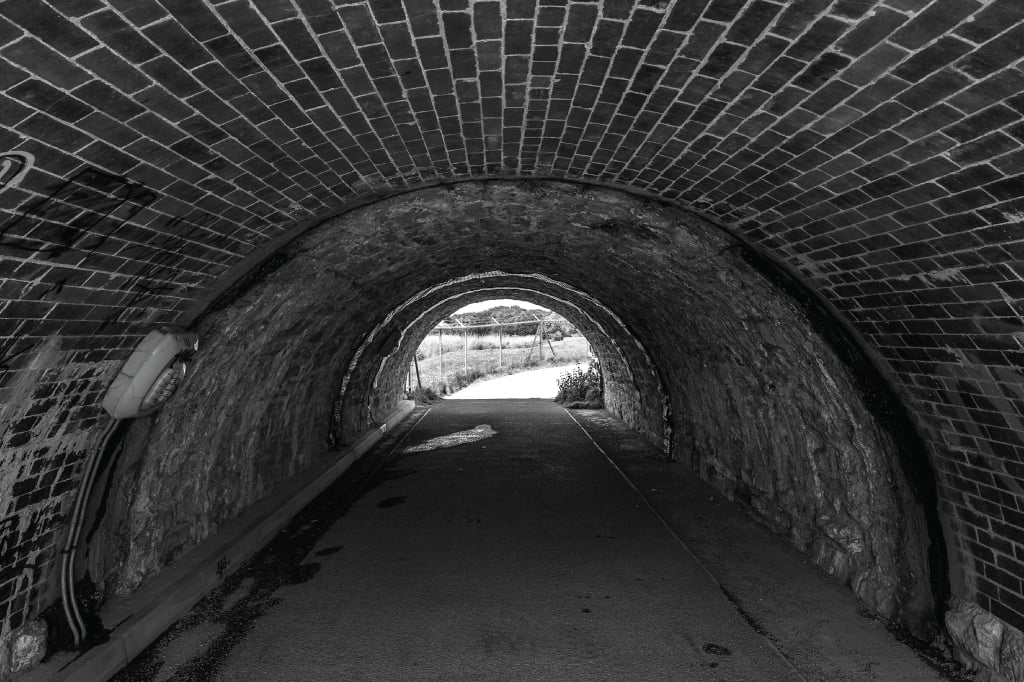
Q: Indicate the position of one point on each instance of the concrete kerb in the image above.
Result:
(140, 618)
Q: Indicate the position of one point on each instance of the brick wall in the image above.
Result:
(874, 146)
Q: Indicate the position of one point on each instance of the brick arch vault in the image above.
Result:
(172, 162)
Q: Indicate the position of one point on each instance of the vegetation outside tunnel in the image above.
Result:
(500, 340)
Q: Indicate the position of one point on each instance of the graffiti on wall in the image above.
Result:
(82, 213)
(962, 383)
(87, 219)
(26, 554)
(14, 559)
(88, 222)
(13, 167)
(9, 536)
(180, 236)
(10, 351)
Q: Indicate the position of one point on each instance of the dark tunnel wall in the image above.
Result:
(759, 403)
(148, 148)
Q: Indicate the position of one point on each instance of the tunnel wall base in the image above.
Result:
(154, 607)
(812, 464)
(981, 641)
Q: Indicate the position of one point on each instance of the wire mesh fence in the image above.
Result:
(451, 357)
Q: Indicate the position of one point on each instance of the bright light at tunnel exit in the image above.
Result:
(486, 305)
(499, 349)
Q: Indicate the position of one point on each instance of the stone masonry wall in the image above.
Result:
(815, 464)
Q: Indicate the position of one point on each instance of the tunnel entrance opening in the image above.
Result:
(494, 349)
(632, 388)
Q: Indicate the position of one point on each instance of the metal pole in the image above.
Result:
(440, 352)
(540, 343)
(530, 353)
(500, 342)
(416, 364)
(465, 353)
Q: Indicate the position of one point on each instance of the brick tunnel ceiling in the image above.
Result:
(152, 152)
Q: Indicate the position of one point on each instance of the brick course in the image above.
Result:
(874, 147)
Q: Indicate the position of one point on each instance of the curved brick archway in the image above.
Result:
(757, 401)
(154, 152)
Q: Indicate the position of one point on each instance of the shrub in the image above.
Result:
(423, 396)
(463, 379)
(581, 388)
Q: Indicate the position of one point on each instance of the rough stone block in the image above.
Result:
(981, 639)
(28, 645)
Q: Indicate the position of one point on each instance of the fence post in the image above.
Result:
(529, 355)
(500, 342)
(540, 342)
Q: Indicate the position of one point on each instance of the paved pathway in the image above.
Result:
(497, 543)
(537, 383)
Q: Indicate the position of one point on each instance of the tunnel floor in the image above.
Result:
(496, 540)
